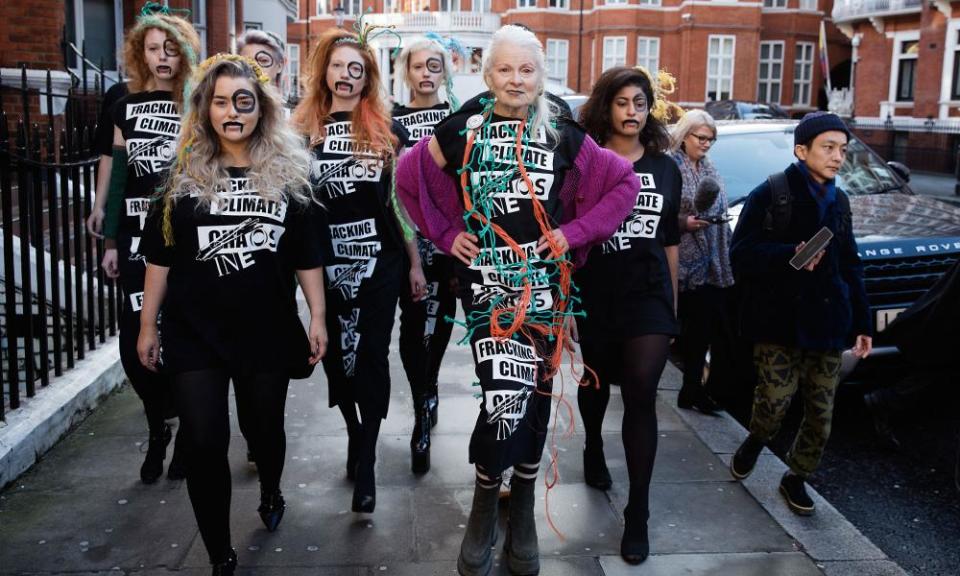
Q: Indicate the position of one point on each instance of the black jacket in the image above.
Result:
(821, 310)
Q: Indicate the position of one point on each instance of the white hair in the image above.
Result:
(402, 65)
(264, 38)
(512, 38)
(689, 122)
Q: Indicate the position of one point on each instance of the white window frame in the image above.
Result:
(610, 59)
(481, 6)
(809, 5)
(770, 80)
(805, 67)
(650, 2)
(451, 5)
(720, 58)
(775, 4)
(647, 58)
(292, 73)
(558, 59)
(615, 2)
(558, 4)
(321, 7)
(898, 39)
(946, 81)
(526, 3)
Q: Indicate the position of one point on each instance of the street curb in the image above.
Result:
(832, 541)
(41, 421)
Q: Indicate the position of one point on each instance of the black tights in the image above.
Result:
(638, 369)
(203, 406)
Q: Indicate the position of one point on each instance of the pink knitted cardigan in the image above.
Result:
(597, 194)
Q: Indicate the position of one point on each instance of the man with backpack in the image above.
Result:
(800, 320)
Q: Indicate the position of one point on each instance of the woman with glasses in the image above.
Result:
(705, 270)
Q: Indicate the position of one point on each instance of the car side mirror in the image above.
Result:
(901, 169)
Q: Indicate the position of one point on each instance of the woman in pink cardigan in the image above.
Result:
(517, 196)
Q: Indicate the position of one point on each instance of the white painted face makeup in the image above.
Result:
(234, 109)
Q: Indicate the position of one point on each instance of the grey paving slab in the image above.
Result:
(94, 528)
(721, 433)
(548, 567)
(861, 567)
(319, 529)
(748, 564)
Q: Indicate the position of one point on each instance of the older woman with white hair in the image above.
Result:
(510, 190)
(705, 271)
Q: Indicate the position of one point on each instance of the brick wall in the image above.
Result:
(30, 33)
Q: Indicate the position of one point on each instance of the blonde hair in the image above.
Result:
(402, 63)
(512, 38)
(268, 39)
(176, 29)
(279, 162)
(689, 122)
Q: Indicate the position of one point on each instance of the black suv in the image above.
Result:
(906, 241)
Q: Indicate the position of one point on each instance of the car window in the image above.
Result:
(744, 160)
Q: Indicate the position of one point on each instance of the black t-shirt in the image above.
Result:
(626, 282)
(419, 122)
(510, 207)
(103, 137)
(231, 285)
(361, 226)
(150, 123)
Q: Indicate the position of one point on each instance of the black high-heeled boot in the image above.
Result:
(433, 401)
(271, 509)
(177, 470)
(227, 567)
(365, 489)
(635, 544)
(152, 467)
(354, 440)
(420, 441)
(595, 471)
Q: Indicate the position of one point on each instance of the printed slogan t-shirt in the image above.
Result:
(419, 122)
(626, 283)
(231, 286)
(510, 207)
(150, 123)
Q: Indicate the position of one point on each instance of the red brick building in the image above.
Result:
(747, 50)
(906, 86)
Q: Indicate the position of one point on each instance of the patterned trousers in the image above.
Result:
(780, 371)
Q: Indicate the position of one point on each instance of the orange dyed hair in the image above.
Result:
(371, 120)
(136, 63)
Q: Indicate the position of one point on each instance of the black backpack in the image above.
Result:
(777, 219)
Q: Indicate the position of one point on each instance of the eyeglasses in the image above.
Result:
(704, 139)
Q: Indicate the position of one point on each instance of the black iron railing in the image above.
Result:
(57, 304)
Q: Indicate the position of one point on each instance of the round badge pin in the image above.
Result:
(475, 121)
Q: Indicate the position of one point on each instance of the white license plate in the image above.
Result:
(885, 317)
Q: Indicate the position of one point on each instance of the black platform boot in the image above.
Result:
(433, 401)
(420, 441)
(365, 489)
(271, 509)
(476, 554)
(521, 544)
(152, 467)
(354, 440)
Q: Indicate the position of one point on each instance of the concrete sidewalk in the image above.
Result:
(83, 510)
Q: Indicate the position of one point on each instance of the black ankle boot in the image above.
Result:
(354, 439)
(420, 441)
(794, 491)
(635, 544)
(271, 509)
(226, 567)
(365, 489)
(595, 472)
(476, 556)
(433, 401)
(694, 397)
(521, 544)
(743, 461)
(152, 467)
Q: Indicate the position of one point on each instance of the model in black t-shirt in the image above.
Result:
(629, 288)
(354, 144)
(143, 125)
(424, 332)
(226, 245)
(103, 144)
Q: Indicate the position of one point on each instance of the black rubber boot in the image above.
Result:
(152, 467)
(420, 441)
(271, 509)
(476, 550)
(521, 545)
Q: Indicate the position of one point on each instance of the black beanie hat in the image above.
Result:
(816, 123)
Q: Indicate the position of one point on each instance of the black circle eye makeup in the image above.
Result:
(244, 101)
(171, 48)
(264, 59)
(640, 103)
(435, 65)
(355, 70)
